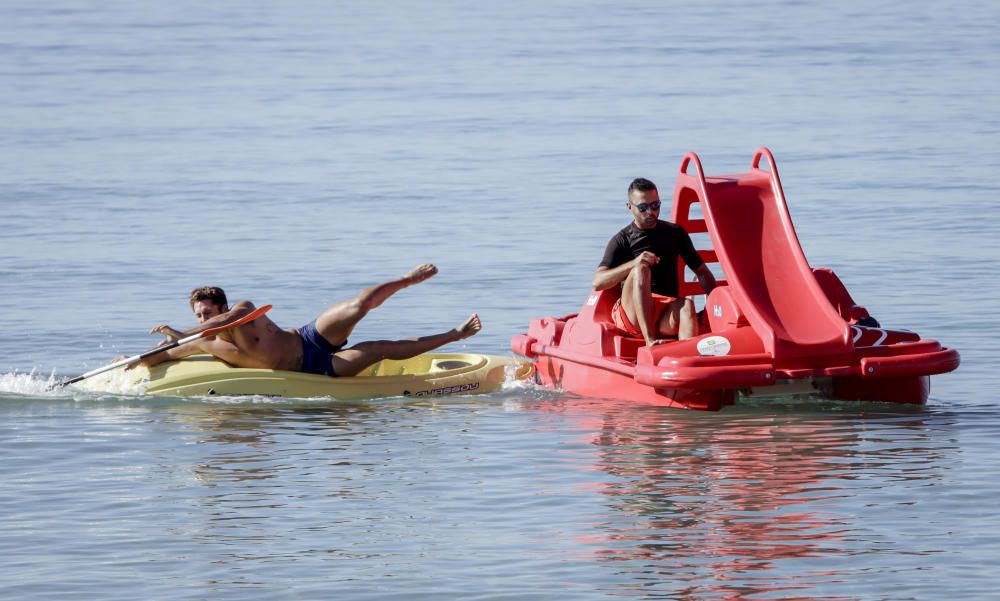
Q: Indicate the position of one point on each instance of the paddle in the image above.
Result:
(166, 347)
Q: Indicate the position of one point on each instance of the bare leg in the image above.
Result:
(637, 301)
(351, 361)
(688, 327)
(337, 322)
(679, 319)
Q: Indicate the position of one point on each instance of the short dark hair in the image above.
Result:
(211, 294)
(642, 185)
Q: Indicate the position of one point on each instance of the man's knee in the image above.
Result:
(679, 312)
(641, 271)
(638, 276)
(359, 305)
(687, 309)
(370, 347)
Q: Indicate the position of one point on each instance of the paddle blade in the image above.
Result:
(239, 322)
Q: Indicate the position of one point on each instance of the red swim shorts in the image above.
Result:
(622, 322)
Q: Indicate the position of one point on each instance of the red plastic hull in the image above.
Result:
(591, 381)
(712, 387)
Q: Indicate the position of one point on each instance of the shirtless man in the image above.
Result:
(317, 347)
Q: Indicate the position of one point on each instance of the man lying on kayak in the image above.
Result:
(317, 347)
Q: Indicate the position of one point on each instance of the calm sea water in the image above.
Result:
(296, 153)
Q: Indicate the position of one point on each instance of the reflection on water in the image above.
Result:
(532, 490)
(721, 506)
(258, 462)
(699, 505)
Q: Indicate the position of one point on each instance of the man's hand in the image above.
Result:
(646, 258)
(171, 334)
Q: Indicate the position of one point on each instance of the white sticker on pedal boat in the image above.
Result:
(592, 300)
(858, 333)
(714, 345)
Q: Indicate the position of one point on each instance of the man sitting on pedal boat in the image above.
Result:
(642, 258)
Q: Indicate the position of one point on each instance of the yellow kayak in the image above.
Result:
(428, 375)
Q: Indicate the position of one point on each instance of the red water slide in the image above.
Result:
(767, 273)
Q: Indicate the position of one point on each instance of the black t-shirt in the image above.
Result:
(666, 240)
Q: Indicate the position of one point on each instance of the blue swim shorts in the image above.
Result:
(317, 352)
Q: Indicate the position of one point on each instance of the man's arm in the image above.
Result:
(606, 277)
(178, 352)
(691, 257)
(240, 309)
(705, 278)
(192, 348)
(170, 334)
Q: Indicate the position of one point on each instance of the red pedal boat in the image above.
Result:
(777, 326)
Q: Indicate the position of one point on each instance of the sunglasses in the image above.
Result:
(645, 206)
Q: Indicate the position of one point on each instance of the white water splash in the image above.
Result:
(29, 384)
(512, 382)
(117, 381)
(33, 384)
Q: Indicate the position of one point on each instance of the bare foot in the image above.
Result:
(420, 273)
(471, 327)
